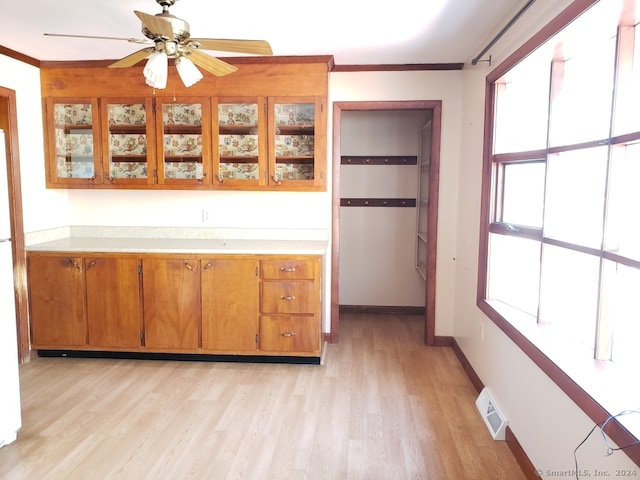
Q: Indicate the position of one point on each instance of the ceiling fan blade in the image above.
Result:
(135, 57)
(258, 47)
(160, 26)
(211, 64)
(130, 40)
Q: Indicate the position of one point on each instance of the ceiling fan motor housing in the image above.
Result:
(166, 3)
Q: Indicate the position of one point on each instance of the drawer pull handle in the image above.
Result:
(287, 297)
(288, 269)
(289, 334)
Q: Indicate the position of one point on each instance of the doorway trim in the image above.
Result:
(432, 207)
(9, 123)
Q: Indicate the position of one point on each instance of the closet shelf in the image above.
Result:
(379, 160)
(377, 202)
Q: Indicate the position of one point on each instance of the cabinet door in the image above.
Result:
(56, 301)
(128, 141)
(297, 150)
(171, 299)
(73, 142)
(230, 304)
(114, 309)
(184, 141)
(240, 142)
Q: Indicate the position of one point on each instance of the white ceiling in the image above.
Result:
(355, 32)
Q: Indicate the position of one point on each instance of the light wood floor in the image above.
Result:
(382, 406)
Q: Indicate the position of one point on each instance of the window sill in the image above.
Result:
(599, 388)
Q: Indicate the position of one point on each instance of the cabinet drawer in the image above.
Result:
(287, 269)
(289, 334)
(289, 297)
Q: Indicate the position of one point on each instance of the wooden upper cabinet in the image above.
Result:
(56, 301)
(240, 142)
(73, 142)
(114, 302)
(261, 128)
(128, 141)
(171, 296)
(297, 143)
(184, 140)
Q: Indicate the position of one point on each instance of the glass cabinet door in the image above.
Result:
(73, 142)
(184, 140)
(296, 151)
(128, 140)
(241, 142)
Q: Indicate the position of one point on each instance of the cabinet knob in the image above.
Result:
(289, 334)
(287, 297)
(288, 269)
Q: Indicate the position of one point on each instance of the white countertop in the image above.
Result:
(180, 245)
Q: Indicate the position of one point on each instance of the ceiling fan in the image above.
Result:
(170, 37)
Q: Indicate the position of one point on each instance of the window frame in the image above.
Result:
(531, 339)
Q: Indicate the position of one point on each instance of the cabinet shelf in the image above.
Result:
(308, 159)
(295, 129)
(129, 158)
(75, 158)
(183, 158)
(238, 129)
(178, 129)
(71, 128)
(232, 159)
(127, 129)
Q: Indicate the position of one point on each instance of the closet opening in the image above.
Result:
(386, 158)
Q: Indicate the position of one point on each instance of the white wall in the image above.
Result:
(378, 244)
(42, 208)
(183, 208)
(422, 85)
(546, 422)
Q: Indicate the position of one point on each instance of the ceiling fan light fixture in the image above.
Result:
(156, 70)
(189, 73)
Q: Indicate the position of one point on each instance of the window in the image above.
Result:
(561, 228)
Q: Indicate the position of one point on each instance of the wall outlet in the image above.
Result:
(206, 215)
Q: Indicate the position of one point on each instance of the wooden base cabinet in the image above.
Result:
(193, 304)
(230, 304)
(290, 306)
(171, 299)
(56, 297)
(77, 301)
(114, 306)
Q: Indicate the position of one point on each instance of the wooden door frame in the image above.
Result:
(432, 208)
(9, 123)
